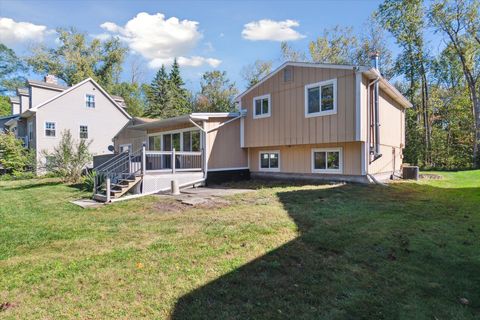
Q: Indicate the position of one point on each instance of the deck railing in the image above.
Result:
(172, 161)
(127, 164)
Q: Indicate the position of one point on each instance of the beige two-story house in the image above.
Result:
(323, 121)
(44, 110)
(302, 121)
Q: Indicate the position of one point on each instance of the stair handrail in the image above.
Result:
(109, 161)
(116, 169)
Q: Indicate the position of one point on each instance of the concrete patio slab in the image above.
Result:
(87, 203)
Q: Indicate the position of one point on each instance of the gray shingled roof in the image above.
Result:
(45, 84)
(23, 91)
(15, 99)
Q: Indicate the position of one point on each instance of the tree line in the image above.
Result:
(442, 128)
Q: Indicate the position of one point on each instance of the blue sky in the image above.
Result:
(207, 34)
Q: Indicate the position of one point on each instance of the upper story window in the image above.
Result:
(327, 160)
(261, 106)
(321, 98)
(83, 132)
(50, 130)
(90, 101)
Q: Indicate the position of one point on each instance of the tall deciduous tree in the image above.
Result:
(373, 39)
(457, 20)
(217, 93)
(405, 20)
(11, 69)
(76, 58)
(338, 45)
(290, 54)
(253, 73)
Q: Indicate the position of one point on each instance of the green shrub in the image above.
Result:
(69, 158)
(88, 181)
(14, 157)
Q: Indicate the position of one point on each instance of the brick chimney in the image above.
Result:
(50, 78)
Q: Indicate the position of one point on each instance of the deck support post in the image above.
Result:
(108, 188)
(173, 160)
(144, 160)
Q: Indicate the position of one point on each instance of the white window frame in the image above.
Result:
(320, 85)
(263, 115)
(180, 131)
(45, 129)
(340, 160)
(260, 160)
(80, 131)
(86, 101)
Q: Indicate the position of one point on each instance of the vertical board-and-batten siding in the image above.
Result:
(392, 134)
(223, 145)
(298, 158)
(287, 124)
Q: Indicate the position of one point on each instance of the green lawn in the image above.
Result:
(407, 251)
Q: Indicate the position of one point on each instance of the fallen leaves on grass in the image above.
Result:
(6, 305)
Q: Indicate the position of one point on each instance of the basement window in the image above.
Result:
(269, 161)
(327, 160)
(320, 98)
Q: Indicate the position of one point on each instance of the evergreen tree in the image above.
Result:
(179, 97)
(158, 94)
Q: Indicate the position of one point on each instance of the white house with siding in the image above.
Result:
(45, 109)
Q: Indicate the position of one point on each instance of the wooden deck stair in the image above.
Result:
(118, 189)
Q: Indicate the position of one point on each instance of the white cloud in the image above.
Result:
(160, 40)
(12, 32)
(266, 29)
(194, 61)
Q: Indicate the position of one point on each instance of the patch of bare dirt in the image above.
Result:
(430, 176)
(171, 206)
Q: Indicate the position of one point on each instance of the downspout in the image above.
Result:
(376, 150)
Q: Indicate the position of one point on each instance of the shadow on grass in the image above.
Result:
(364, 252)
(35, 185)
